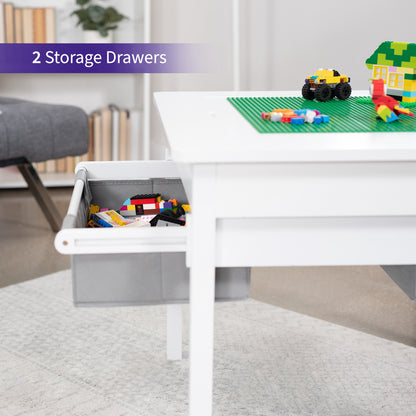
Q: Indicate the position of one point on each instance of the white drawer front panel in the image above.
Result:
(316, 189)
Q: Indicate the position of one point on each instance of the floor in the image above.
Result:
(363, 298)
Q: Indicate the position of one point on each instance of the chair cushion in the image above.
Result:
(40, 132)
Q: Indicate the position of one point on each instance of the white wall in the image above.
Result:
(299, 37)
(281, 41)
(193, 21)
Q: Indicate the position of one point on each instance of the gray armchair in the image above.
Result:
(36, 132)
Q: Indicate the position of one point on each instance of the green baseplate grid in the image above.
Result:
(347, 116)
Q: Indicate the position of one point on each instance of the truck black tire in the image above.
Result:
(307, 93)
(343, 90)
(323, 92)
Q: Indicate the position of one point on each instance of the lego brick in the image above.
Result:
(297, 120)
(310, 116)
(275, 117)
(128, 208)
(301, 112)
(141, 201)
(408, 71)
(131, 210)
(409, 94)
(164, 205)
(395, 92)
(287, 119)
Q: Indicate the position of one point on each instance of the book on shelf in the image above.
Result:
(111, 133)
(9, 22)
(106, 133)
(96, 120)
(39, 29)
(18, 26)
(41, 167)
(124, 135)
(115, 126)
(134, 128)
(61, 165)
(27, 24)
(50, 166)
(90, 154)
(2, 26)
(50, 26)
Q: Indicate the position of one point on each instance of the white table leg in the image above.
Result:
(202, 291)
(174, 332)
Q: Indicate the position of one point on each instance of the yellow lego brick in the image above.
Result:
(399, 47)
(186, 208)
(382, 60)
(93, 210)
(403, 70)
(384, 112)
(409, 85)
(409, 99)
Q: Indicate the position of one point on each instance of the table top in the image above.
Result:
(204, 127)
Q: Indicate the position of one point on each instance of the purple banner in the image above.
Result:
(104, 58)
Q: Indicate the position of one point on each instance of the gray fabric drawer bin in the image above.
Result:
(139, 278)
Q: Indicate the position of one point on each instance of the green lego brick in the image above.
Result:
(410, 77)
(349, 116)
(411, 63)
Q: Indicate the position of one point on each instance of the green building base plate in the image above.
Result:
(347, 116)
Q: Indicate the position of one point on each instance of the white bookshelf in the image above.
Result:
(88, 91)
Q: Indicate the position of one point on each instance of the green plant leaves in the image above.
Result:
(96, 14)
(81, 14)
(95, 17)
(111, 15)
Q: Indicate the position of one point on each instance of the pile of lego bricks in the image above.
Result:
(286, 115)
(140, 211)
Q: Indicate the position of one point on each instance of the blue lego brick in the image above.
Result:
(300, 112)
(392, 117)
(167, 205)
(325, 118)
(317, 120)
(297, 120)
(409, 93)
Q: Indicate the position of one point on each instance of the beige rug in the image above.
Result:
(58, 360)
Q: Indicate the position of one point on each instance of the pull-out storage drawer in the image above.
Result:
(132, 266)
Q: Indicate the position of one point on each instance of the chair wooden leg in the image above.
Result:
(42, 196)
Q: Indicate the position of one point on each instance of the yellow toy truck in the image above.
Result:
(326, 84)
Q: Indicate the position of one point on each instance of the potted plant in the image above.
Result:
(97, 22)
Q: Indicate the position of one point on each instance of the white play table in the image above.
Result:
(281, 200)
